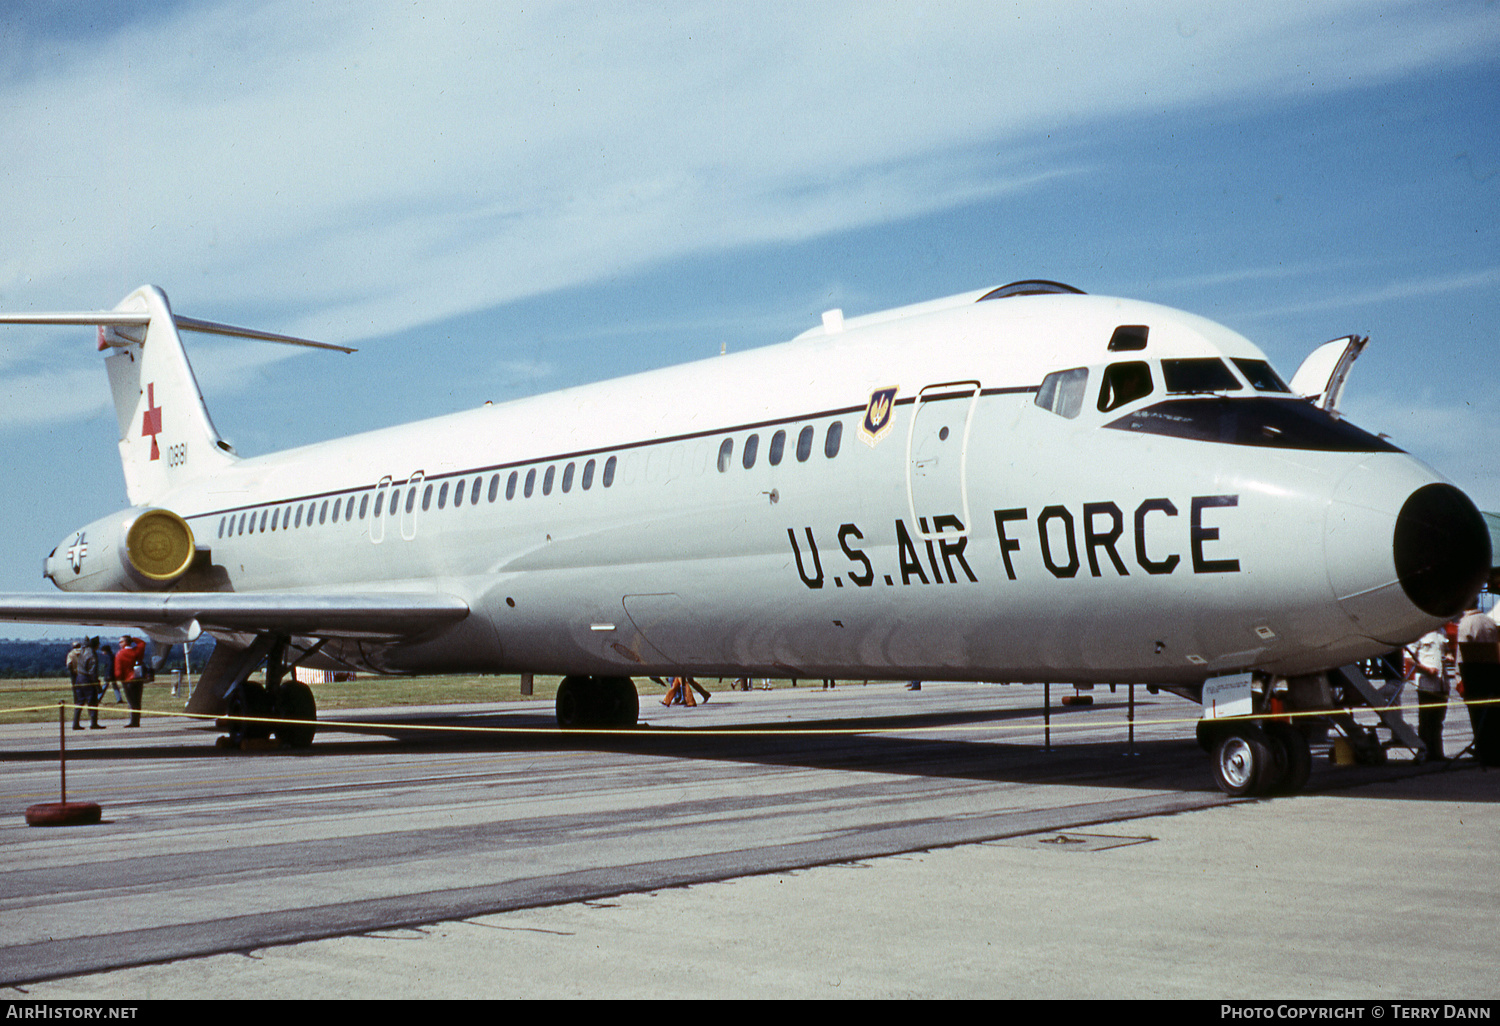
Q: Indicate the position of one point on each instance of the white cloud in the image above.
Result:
(386, 165)
(1411, 288)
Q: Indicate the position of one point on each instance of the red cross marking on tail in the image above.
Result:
(151, 422)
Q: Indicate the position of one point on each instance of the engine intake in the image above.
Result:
(134, 550)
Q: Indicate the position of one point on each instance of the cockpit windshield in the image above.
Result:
(1252, 420)
(1206, 374)
(1260, 375)
(1124, 383)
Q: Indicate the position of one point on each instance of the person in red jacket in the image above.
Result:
(130, 672)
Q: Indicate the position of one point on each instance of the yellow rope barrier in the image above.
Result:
(708, 731)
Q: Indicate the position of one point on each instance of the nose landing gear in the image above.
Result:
(1251, 760)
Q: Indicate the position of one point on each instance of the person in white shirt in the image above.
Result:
(1432, 691)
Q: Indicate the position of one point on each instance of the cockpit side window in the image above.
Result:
(1207, 374)
(1124, 383)
(1062, 392)
(1260, 375)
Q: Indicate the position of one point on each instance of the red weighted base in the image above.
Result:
(64, 814)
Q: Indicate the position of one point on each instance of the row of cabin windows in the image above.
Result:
(305, 514)
(290, 518)
(777, 448)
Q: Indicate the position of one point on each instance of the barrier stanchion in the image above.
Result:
(63, 812)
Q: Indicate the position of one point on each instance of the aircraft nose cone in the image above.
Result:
(1442, 550)
(1405, 551)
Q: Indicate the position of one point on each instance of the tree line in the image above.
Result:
(48, 658)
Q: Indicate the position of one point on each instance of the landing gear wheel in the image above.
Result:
(573, 703)
(249, 699)
(597, 702)
(1293, 758)
(294, 701)
(619, 705)
(1243, 762)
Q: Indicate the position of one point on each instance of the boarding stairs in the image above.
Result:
(1385, 700)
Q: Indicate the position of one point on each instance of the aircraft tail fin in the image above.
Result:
(166, 434)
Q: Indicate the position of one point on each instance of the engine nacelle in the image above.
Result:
(140, 549)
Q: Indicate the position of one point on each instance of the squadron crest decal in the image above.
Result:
(880, 413)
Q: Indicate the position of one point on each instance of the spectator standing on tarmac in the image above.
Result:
(107, 674)
(1432, 692)
(86, 685)
(1479, 668)
(130, 672)
(74, 654)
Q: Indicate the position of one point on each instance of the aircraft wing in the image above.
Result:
(387, 615)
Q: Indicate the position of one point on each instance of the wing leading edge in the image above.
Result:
(380, 615)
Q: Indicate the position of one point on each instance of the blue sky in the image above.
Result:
(492, 200)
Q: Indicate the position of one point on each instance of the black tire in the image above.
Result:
(610, 702)
(620, 705)
(1293, 758)
(574, 707)
(1243, 762)
(294, 701)
(249, 699)
(1209, 735)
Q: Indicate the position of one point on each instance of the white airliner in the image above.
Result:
(1021, 484)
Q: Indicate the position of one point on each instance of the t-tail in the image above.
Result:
(166, 434)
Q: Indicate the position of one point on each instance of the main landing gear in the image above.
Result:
(599, 702)
(275, 700)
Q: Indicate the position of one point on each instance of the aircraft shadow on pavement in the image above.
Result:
(1172, 764)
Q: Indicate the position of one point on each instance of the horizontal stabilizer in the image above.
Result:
(128, 318)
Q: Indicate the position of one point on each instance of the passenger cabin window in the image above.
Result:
(1260, 375)
(567, 482)
(804, 444)
(510, 486)
(778, 446)
(1187, 377)
(609, 472)
(1124, 383)
(588, 475)
(726, 454)
(1062, 392)
(752, 446)
(1128, 337)
(832, 439)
